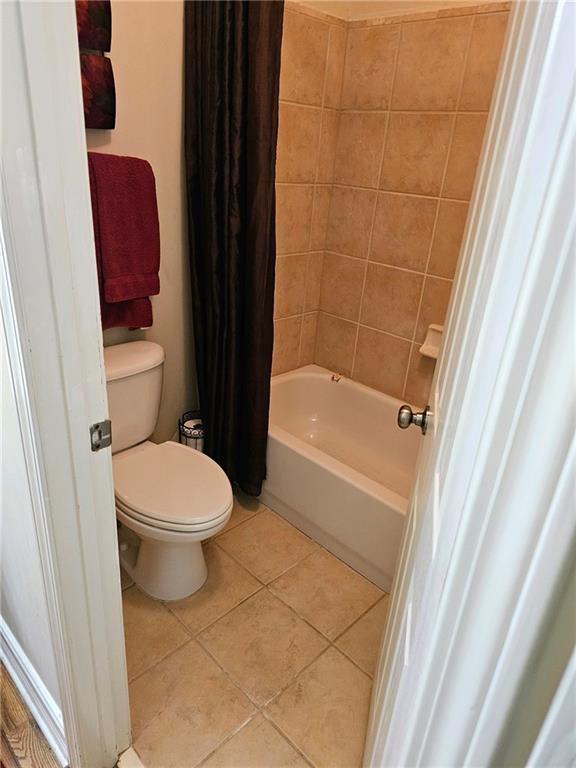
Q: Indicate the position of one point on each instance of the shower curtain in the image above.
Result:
(232, 69)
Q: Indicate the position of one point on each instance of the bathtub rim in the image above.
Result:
(319, 457)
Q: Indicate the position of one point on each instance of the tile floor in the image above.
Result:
(270, 664)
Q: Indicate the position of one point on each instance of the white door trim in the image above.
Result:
(445, 685)
(51, 314)
(35, 695)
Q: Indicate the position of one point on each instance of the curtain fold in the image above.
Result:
(231, 81)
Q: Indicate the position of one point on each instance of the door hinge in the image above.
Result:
(101, 435)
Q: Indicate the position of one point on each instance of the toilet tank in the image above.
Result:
(134, 385)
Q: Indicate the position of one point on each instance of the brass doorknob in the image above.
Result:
(406, 416)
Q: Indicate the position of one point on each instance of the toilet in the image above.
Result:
(169, 497)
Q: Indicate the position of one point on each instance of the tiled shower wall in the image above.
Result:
(395, 168)
(313, 50)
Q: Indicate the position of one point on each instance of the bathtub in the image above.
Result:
(339, 468)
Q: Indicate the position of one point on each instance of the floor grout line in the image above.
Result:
(260, 709)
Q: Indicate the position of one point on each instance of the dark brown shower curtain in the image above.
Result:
(232, 69)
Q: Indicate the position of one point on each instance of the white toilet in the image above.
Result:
(169, 497)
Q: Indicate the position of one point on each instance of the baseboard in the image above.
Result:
(34, 693)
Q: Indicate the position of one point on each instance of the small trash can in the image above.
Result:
(191, 430)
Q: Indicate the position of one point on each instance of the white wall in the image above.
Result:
(147, 57)
(22, 596)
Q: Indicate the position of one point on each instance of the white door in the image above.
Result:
(50, 309)
(490, 520)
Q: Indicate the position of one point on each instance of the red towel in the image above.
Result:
(127, 238)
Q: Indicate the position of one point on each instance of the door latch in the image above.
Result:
(406, 416)
(101, 435)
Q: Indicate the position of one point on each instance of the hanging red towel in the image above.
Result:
(127, 237)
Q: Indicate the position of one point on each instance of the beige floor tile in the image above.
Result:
(183, 708)
(266, 545)
(151, 632)
(362, 641)
(226, 586)
(263, 645)
(257, 745)
(326, 592)
(325, 711)
(244, 508)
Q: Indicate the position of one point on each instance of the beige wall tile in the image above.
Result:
(464, 156)
(257, 744)
(308, 345)
(419, 380)
(434, 305)
(391, 299)
(335, 66)
(370, 58)
(403, 230)
(381, 361)
(342, 283)
(335, 343)
(263, 645)
(483, 61)
(313, 281)
(448, 238)
(430, 64)
(415, 154)
(324, 713)
(293, 217)
(304, 49)
(328, 144)
(286, 344)
(298, 142)
(322, 197)
(290, 284)
(360, 140)
(350, 221)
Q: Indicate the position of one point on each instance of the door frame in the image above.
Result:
(50, 310)
(431, 705)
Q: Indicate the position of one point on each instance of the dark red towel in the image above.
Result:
(127, 237)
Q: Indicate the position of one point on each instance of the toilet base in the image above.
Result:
(164, 570)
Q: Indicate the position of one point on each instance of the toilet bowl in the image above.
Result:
(169, 497)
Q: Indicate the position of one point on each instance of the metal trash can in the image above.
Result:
(191, 430)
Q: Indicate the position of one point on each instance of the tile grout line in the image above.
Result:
(159, 661)
(388, 191)
(365, 325)
(261, 708)
(314, 193)
(379, 181)
(338, 110)
(384, 264)
(441, 190)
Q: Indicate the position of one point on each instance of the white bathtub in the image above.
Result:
(339, 468)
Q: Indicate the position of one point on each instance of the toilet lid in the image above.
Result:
(171, 483)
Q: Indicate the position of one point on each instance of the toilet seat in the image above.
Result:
(171, 487)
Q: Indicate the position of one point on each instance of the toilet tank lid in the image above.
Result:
(122, 360)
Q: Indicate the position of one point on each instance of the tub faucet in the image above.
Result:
(336, 377)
